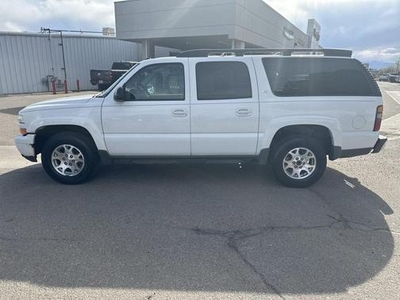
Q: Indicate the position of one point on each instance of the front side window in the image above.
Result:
(223, 80)
(158, 82)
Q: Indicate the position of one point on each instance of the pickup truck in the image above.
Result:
(105, 78)
(289, 109)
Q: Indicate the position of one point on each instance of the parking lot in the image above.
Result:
(200, 232)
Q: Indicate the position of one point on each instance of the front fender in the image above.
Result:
(88, 119)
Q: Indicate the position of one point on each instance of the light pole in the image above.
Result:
(49, 31)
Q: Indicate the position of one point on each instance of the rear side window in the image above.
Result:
(223, 80)
(297, 76)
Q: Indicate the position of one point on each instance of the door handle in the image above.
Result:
(179, 113)
(243, 112)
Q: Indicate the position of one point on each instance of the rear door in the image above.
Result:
(224, 107)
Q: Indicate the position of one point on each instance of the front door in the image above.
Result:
(155, 118)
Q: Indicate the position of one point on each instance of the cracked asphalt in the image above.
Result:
(200, 231)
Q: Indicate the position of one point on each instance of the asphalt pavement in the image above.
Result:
(200, 231)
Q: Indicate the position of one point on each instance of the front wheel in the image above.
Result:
(69, 158)
(298, 161)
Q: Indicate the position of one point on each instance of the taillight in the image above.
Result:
(378, 118)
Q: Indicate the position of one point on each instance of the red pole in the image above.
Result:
(65, 86)
(77, 84)
(53, 84)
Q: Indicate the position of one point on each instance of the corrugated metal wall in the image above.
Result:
(28, 60)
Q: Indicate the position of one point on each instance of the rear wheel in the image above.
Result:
(69, 158)
(298, 161)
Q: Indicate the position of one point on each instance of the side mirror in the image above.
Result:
(120, 94)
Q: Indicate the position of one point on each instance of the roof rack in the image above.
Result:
(263, 51)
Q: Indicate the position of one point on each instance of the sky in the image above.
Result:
(371, 28)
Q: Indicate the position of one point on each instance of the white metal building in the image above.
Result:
(28, 61)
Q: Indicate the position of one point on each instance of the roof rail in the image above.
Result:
(264, 51)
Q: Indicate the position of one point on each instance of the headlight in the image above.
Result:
(21, 119)
(21, 122)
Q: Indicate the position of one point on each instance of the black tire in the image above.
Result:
(69, 158)
(298, 162)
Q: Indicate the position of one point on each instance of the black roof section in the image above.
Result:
(263, 51)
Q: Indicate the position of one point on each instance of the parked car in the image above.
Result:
(394, 78)
(105, 78)
(384, 77)
(267, 106)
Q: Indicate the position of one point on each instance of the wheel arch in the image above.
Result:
(318, 132)
(46, 132)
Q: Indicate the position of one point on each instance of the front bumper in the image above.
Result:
(379, 144)
(25, 144)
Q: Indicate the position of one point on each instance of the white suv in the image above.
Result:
(289, 108)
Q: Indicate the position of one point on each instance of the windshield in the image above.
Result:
(107, 91)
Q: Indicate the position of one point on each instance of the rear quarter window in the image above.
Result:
(319, 76)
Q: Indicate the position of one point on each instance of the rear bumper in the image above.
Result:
(338, 152)
(24, 145)
(380, 143)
